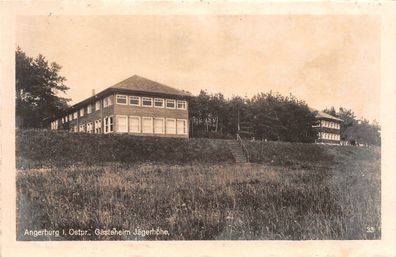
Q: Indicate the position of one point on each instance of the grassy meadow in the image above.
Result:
(290, 193)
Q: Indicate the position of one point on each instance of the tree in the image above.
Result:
(363, 133)
(37, 86)
(331, 111)
(276, 117)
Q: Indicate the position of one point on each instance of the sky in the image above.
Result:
(323, 60)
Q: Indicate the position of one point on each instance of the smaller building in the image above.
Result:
(328, 128)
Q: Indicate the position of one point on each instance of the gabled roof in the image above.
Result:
(140, 84)
(323, 115)
(134, 84)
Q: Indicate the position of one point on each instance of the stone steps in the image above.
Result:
(237, 152)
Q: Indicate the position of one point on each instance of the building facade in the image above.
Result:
(328, 128)
(137, 106)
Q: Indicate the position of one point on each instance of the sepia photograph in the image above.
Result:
(197, 127)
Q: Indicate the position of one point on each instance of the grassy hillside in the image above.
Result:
(48, 148)
(293, 192)
(286, 154)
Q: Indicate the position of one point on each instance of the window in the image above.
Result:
(97, 105)
(170, 126)
(147, 125)
(75, 115)
(134, 124)
(147, 101)
(89, 108)
(81, 112)
(108, 124)
(98, 126)
(122, 123)
(159, 126)
(90, 127)
(63, 120)
(75, 128)
(121, 99)
(181, 105)
(134, 100)
(316, 125)
(107, 101)
(171, 104)
(70, 117)
(82, 128)
(159, 103)
(66, 118)
(181, 127)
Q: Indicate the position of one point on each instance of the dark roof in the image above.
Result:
(140, 84)
(323, 115)
(135, 84)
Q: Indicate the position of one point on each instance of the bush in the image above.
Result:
(45, 147)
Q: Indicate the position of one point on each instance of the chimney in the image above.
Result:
(93, 91)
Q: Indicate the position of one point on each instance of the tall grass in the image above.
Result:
(190, 188)
(311, 200)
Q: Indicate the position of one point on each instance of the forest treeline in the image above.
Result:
(271, 116)
(265, 116)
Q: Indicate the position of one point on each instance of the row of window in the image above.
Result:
(329, 124)
(136, 124)
(329, 136)
(125, 100)
(107, 101)
(151, 102)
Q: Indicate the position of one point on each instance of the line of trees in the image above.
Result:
(265, 116)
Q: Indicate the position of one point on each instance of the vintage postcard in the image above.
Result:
(198, 129)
